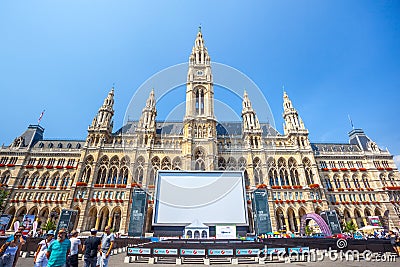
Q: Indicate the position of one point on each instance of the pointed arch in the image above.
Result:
(231, 164)
(5, 177)
(166, 163)
(116, 219)
(258, 175)
(308, 171)
(176, 163)
(291, 215)
(199, 157)
(294, 174)
(91, 218)
(24, 179)
(272, 172)
(221, 163)
(242, 163)
(55, 179)
(114, 161)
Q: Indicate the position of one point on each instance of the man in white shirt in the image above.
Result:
(75, 247)
(107, 243)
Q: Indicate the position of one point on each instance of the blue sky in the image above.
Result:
(334, 58)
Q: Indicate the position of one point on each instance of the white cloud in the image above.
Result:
(397, 161)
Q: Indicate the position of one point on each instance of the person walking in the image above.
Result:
(40, 259)
(58, 250)
(395, 242)
(91, 247)
(10, 251)
(76, 245)
(107, 243)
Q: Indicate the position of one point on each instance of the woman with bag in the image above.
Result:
(40, 259)
(10, 251)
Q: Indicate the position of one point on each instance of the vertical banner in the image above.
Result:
(332, 220)
(4, 223)
(138, 212)
(262, 220)
(27, 222)
(67, 220)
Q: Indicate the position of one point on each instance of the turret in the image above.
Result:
(99, 132)
(147, 123)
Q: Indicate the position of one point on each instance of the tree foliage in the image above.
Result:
(50, 225)
(3, 197)
(350, 227)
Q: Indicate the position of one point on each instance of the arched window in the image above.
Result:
(199, 93)
(258, 179)
(346, 181)
(55, 180)
(199, 160)
(45, 179)
(139, 175)
(231, 163)
(176, 163)
(242, 164)
(336, 180)
(34, 179)
(283, 174)
(24, 179)
(382, 178)
(65, 180)
(166, 164)
(155, 165)
(123, 176)
(5, 178)
(308, 171)
(294, 175)
(101, 175)
(221, 163)
(112, 175)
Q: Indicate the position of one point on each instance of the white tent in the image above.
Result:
(197, 230)
(369, 228)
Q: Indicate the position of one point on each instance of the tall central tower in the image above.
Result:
(199, 122)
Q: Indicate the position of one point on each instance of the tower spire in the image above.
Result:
(100, 130)
(292, 120)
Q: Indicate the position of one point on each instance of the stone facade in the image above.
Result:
(96, 176)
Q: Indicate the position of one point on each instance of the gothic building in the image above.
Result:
(96, 176)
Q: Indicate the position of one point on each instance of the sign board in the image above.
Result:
(374, 220)
(138, 212)
(4, 223)
(225, 231)
(139, 251)
(220, 252)
(262, 220)
(276, 251)
(331, 219)
(67, 220)
(247, 251)
(165, 251)
(28, 223)
(299, 250)
(193, 252)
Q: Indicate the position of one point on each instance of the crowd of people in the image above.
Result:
(61, 251)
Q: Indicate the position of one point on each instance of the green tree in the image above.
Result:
(308, 230)
(350, 227)
(50, 225)
(3, 197)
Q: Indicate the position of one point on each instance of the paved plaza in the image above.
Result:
(118, 260)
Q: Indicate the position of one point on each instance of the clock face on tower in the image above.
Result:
(200, 73)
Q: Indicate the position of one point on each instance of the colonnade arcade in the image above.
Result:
(42, 216)
(103, 217)
(289, 219)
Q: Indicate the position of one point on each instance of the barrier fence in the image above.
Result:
(238, 248)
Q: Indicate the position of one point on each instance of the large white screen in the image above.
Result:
(207, 197)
